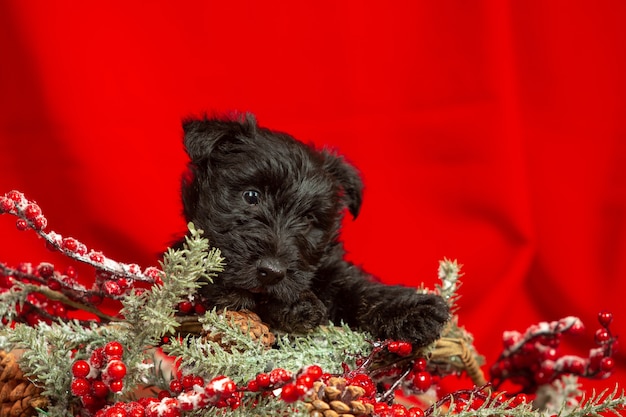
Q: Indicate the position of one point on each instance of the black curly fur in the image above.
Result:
(274, 205)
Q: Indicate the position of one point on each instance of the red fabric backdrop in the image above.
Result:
(492, 132)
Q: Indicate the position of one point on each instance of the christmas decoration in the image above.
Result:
(164, 354)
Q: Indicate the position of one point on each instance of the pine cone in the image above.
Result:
(336, 398)
(18, 396)
(249, 323)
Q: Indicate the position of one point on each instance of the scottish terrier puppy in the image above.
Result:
(274, 206)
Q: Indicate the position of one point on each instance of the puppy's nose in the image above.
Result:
(270, 271)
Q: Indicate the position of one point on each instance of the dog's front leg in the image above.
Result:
(387, 312)
(303, 315)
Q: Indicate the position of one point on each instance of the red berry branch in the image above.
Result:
(52, 292)
(533, 358)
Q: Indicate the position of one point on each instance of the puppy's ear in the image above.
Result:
(349, 180)
(203, 136)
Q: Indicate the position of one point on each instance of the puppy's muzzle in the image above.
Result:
(270, 271)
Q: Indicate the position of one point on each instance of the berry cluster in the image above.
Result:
(37, 307)
(101, 374)
(533, 358)
(192, 306)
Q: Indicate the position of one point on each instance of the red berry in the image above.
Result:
(398, 410)
(381, 409)
(420, 364)
(114, 350)
(32, 211)
(605, 318)
(607, 364)
(40, 223)
(112, 288)
(422, 381)
(116, 386)
(15, 196)
(198, 380)
(602, 336)
(416, 412)
(279, 375)
(314, 371)
(222, 385)
(115, 411)
(289, 393)
(80, 369)
(305, 380)
(199, 309)
(53, 284)
(263, 380)
(21, 224)
(176, 386)
(577, 367)
(99, 389)
(577, 328)
(400, 348)
(70, 244)
(185, 307)
(116, 370)
(45, 270)
(6, 205)
(97, 257)
(80, 386)
(187, 381)
(364, 382)
(252, 386)
(135, 409)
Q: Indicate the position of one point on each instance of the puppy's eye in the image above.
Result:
(252, 197)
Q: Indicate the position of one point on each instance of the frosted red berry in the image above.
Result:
(6, 205)
(602, 336)
(112, 288)
(32, 211)
(70, 244)
(607, 364)
(97, 257)
(80, 368)
(15, 196)
(115, 411)
(116, 370)
(80, 386)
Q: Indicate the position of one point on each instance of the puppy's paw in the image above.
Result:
(413, 317)
(305, 314)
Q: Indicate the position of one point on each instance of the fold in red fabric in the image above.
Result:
(490, 132)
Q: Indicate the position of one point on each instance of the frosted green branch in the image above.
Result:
(449, 273)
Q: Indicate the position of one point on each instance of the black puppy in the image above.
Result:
(274, 207)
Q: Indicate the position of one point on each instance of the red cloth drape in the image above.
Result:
(492, 132)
